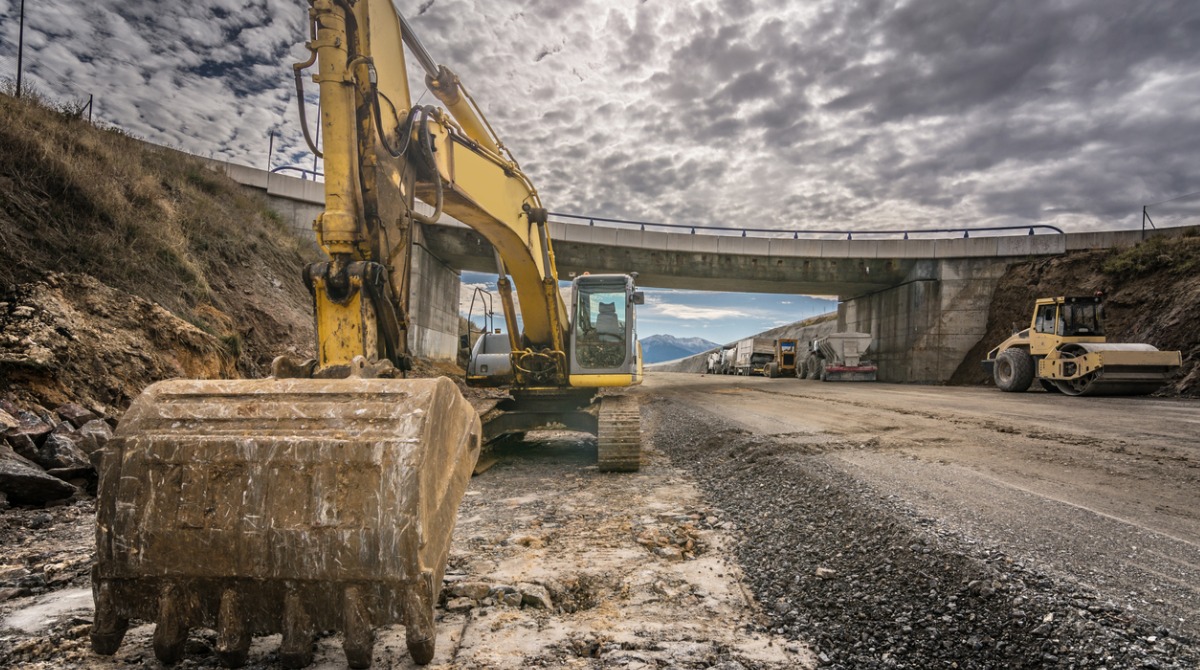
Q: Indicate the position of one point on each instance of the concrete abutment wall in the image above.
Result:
(924, 327)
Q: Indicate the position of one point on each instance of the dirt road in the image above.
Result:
(1099, 490)
(775, 524)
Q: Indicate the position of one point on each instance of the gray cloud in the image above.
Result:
(864, 113)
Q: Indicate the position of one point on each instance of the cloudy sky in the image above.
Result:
(862, 114)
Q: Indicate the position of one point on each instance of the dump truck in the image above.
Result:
(784, 364)
(323, 497)
(838, 357)
(1066, 351)
(752, 355)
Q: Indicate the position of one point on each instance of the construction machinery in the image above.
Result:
(784, 363)
(712, 362)
(752, 355)
(838, 357)
(1065, 349)
(323, 498)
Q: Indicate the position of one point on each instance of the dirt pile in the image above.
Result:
(122, 263)
(1152, 295)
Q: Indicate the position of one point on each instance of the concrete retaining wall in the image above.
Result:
(924, 327)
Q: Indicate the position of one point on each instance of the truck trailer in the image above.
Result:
(753, 354)
(838, 357)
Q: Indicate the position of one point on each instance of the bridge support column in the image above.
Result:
(924, 327)
(433, 302)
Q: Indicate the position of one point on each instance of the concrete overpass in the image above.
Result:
(926, 300)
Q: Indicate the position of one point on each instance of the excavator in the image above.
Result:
(323, 497)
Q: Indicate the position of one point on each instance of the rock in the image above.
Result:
(23, 482)
(670, 553)
(31, 426)
(511, 599)
(826, 573)
(474, 590)
(23, 445)
(94, 436)
(7, 421)
(60, 453)
(459, 604)
(76, 415)
(3, 500)
(535, 595)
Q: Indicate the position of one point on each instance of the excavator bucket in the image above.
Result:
(290, 506)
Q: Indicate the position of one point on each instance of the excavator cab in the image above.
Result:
(604, 336)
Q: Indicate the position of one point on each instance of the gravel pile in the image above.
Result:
(870, 584)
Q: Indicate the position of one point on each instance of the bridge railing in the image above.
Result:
(922, 233)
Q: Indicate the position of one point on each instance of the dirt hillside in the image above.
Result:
(122, 263)
(1152, 295)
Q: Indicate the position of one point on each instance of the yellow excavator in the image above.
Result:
(323, 497)
(1065, 349)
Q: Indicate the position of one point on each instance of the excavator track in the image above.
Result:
(618, 436)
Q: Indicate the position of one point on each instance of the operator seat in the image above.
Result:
(608, 327)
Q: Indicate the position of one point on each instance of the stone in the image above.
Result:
(59, 452)
(459, 604)
(672, 554)
(535, 595)
(32, 426)
(76, 415)
(511, 599)
(93, 437)
(7, 421)
(23, 445)
(474, 590)
(826, 573)
(23, 482)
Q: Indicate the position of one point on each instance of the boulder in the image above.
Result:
(59, 452)
(30, 425)
(76, 415)
(23, 482)
(23, 445)
(92, 437)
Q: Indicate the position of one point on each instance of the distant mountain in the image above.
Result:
(659, 348)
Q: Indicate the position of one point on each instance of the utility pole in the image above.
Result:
(20, 47)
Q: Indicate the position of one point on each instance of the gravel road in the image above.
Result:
(905, 526)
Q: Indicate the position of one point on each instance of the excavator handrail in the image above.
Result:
(849, 233)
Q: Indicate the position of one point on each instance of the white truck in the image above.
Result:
(838, 357)
(753, 354)
(713, 364)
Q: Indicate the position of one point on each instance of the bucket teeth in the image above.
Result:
(296, 649)
(233, 638)
(170, 631)
(108, 627)
(359, 637)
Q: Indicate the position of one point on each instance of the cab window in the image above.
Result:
(600, 339)
(1045, 319)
